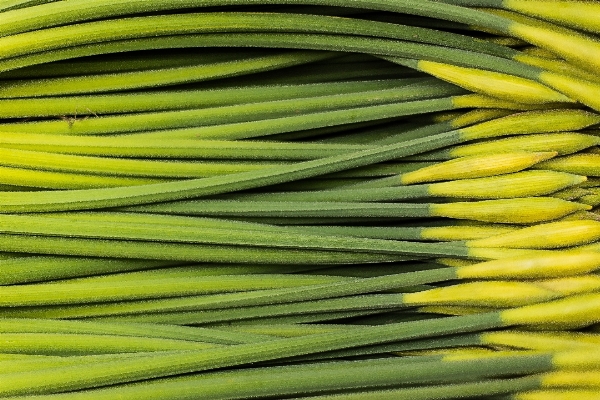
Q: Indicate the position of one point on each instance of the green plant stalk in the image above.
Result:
(29, 363)
(86, 166)
(317, 377)
(44, 268)
(318, 73)
(312, 120)
(539, 209)
(64, 180)
(59, 14)
(169, 99)
(217, 336)
(69, 378)
(486, 388)
(195, 272)
(539, 36)
(189, 311)
(531, 184)
(445, 231)
(193, 23)
(351, 303)
(532, 122)
(58, 227)
(304, 41)
(116, 63)
(156, 78)
(67, 344)
(303, 318)
(139, 122)
(563, 143)
(185, 252)
(123, 146)
(338, 287)
(90, 292)
(576, 309)
(16, 4)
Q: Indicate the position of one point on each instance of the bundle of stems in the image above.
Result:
(307, 199)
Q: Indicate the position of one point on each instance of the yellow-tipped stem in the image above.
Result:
(559, 67)
(484, 101)
(576, 14)
(494, 84)
(563, 143)
(500, 253)
(572, 285)
(541, 341)
(455, 310)
(513, 211)
(464, 232)
(572, 379)
(554, 264)
(583, 164)
(520, 184)
(477, 116)
(546, 121)
(455, 262)
(571, 394)
(545, 236)
(577, 48)
(539, 52)
(475, 167)
(483, 294)
(578, 310)
(580, 359)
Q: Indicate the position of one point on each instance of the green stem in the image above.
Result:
(345, 287)
(164, 100)
(183, 251)
(319, 377)
(178, 149)
(80, 377)
(156, 78)
(61, 14)
(23, 325)
(350, 303)
(67, 344)
(114, 197)
(221, 115)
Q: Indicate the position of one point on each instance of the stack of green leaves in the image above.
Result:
(307, 199)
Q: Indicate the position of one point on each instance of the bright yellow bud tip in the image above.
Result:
(563, 143)
(541, 341)
(545, 236)
(575, 379)
(475, 167)
(579, 310)
(580, 359)
(464, 232)
(518, 211)
(520, 184)
(476, 116)
(572, 285)
(502, 86)
(582, 90)
(532, 122)
(482, 294)
(577, 14)
(578, 48)
(532, 266)
(572, 394)
(455, 310)
(584, 164)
